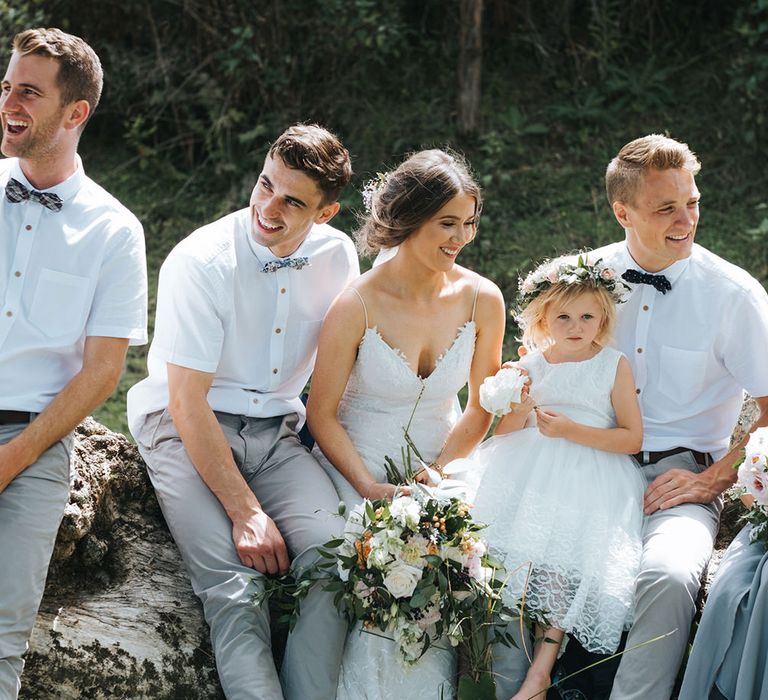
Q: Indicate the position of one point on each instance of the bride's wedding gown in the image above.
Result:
(379, 399)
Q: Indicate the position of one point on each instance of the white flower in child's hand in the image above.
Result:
(502, 389)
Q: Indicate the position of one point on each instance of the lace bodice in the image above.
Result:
(580, 390)
(383, 391)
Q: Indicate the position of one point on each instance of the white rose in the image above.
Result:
(502, 389)
(413, 551)
(401, 579)
(378, 557)
(406, 511)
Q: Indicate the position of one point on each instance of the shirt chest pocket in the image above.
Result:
(59, 305)
(681, 373)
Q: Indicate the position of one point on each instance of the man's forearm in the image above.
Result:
(211, 456)
(84, 392)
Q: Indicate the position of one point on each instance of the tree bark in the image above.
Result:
(119, 618)
(470, 63)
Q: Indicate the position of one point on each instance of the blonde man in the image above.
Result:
(695, 328)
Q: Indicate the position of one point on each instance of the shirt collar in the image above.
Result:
(672, 273)
(65, 190)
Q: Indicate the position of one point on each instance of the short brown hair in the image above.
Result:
(318, 153)
(411, 194)
(80, 76)
(653, 152)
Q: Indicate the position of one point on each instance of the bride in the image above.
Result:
(407, 334)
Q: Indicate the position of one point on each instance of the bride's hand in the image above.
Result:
(376, 491)
(421, 477)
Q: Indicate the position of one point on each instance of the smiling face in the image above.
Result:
(440, 239)
(574, 324)
(661, 222)
(284, 205)
(30, 108)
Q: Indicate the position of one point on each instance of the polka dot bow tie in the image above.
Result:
(294, 263)
(16, 192)
(659, 282)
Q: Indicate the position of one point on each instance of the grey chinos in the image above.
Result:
(31, 508)
(677, 544)
(297, 494)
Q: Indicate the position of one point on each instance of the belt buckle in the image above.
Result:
(646, 457)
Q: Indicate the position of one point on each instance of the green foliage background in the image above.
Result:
(196, 89)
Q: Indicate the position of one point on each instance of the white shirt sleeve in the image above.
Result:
(745, 339)
(188, 326)
(119, 308)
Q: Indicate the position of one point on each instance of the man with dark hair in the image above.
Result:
(72, 298)
(239, 307)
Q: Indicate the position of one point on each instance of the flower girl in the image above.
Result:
(562, 495)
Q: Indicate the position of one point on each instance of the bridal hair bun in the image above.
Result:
(399, 202)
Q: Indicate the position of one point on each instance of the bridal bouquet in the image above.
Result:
(752, 482)
(414, 569)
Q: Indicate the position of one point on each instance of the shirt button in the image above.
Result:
(17, 274)
(9, 313)
(645, 307)
(282, 290)
(28, 227)
(278, 330)
(639, 350)
(255, 401)
(274, 371)
(637, 391)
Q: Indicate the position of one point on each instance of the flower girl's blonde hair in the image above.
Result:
(535, 304)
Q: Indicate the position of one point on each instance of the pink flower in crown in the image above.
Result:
(553, 275)
(607, 274)
(528, 285)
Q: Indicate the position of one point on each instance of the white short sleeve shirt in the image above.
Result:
(64, 276)
(257, 332)
(694, 350)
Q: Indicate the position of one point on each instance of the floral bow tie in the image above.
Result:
(16, 192)
(658, 282)
(295, 263)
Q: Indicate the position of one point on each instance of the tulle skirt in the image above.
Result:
(566, 519)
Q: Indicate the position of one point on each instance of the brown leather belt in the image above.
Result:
(646, 457)
(14, 417)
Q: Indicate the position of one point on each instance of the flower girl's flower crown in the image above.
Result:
(567, 270)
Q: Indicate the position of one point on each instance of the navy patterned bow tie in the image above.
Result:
(294, 263)
(15, 192)
(659, 282)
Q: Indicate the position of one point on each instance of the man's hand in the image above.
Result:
(678, 486)
(12, 463)
(260, 545)
(553, 424)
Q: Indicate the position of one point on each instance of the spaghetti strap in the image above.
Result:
(362, 301)
(474, 303)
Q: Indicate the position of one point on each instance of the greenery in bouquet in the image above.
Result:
(415, 569)
(752, 484)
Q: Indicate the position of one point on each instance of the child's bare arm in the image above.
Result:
(626, 437)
